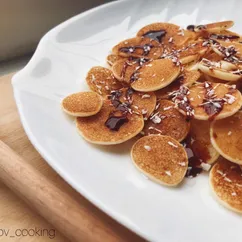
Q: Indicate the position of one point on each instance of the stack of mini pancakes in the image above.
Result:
(178, 91)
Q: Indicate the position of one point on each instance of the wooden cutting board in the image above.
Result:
(18, 222)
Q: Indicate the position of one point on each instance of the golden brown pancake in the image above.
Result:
(140, 102)
(138, 47)
(200, 141)
(208, 100)
(156, 75)
(94, 130)
(226, 35)
(102, 80)
(186, 78)
(220, 70)
(226, 183)
(161, 158)
(82, 104)
(124, 69)
(166, 33)
(226, 135)
(111, 59)
(167, 120)
(219, 26)
(144, 102)
(215, 27)
(230, 51)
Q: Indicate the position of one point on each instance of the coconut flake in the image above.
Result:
(168, 173)
(145, 96)
(167, 108)
(220, 172)
(227, 179)
(156, 119)
(171, 144)
(147, 147)
(205, 166)
(230, 98)
(143, 111)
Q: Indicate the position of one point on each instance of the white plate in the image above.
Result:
(105, 175)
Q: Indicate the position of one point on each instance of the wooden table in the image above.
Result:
(15, 215)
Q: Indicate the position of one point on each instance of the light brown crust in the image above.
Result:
(161, 158)
(93, 128)
(201, 144)
(82, 104)
(196, 98)
(167, 120)
(154, 52)
(186, 78)
(226, 183)
(226, 135)
(156, 75)
(102, 80)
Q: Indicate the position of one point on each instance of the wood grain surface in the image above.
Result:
(18, 222)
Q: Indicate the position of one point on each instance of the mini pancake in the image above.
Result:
(187, 53)
(201, 144)
(161, 158)
(192, 51)
(230, 51)
(215, 58)
(186, 78)
(111, 59)
(82, 104)
(124, 69)
(166, 33)
(226, 35)
(226, 137)
(226, 184)
(214, 69)
(145, 103)
(212, 27)
(156, 75)
(102, 80)
(219, 26)
(167, 120)
(208, 101)
(94, 130)
(141, 102)
(138, 47)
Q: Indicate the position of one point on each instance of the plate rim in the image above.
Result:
(40, 149)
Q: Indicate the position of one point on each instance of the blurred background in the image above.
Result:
(24, 22)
